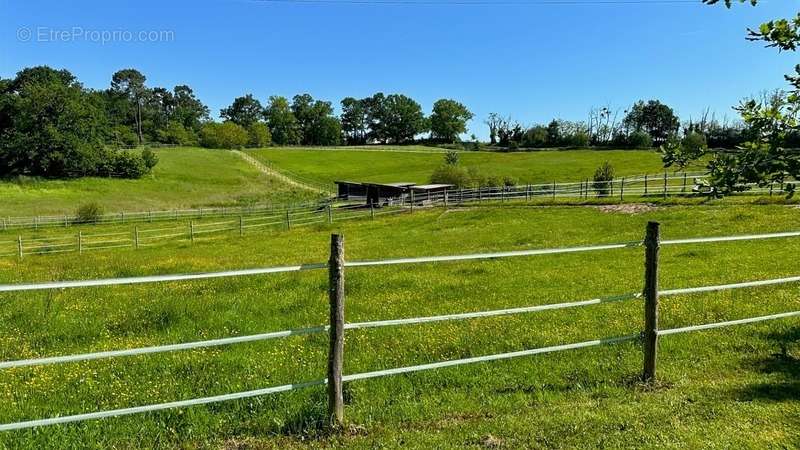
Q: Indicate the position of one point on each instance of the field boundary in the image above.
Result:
(636, 188)
(336, 327)
(267, 170)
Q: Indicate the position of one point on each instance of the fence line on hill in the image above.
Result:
(653, 186)
(336, 327)
(309, 214)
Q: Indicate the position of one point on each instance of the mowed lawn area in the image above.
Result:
(183, 178)
(728, 388)
(416, 164)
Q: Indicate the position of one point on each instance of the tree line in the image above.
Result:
(645, 125)
(385, 119)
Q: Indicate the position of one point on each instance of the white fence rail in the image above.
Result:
(640, 186)
(336, 328)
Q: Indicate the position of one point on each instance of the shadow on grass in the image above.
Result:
(782, 365)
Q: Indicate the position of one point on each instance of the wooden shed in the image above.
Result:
(349, 189)
(384, 193)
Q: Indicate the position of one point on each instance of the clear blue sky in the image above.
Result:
(532, 62)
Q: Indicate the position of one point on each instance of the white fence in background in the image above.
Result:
(239, 221)
(642, 187)
(337, 326)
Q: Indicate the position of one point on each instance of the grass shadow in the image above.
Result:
(783, 365)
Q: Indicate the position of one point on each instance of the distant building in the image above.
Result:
(388, 193)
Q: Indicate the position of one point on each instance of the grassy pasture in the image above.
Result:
(713, 382)
(183, 178)
(416, 164)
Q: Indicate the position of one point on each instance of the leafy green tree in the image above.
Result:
(554, 133)
(771, 121)
(655, 118)
(640, 140)
(449, 120)
(175, 133)
(355, 120)
(317, 124)
(129, 84)
(376, 116)
(244, 111)
(281, 121)
(188, 109)
(259, 135)
(402, 118)
(228, 135)
(50, 126)
(535, 137)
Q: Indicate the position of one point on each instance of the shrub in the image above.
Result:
(259, 135)
(535, 137)
(149, 158)
(451, 174)
(493, 181)
(89, 213)
(128, 165)
(579, 139)
(451, 158)
(509, 181)
(640, 140)
(176, 133)
(513, 146)
(223, 135)
(477, 178)
(603, 177)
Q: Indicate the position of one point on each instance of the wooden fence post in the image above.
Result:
(665, 184)
(554, 190)
(684, 182)
(650, 335)
(241, 226)
(445, 197)
(330, 214)
(191, 230)
(136, 237)
(336, 350)
(80, 242)
(412, 201)
(645, 185)
(19, 246)
(288, 221)
(622, 190)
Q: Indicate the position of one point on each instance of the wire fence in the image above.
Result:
(199, 225)
(336, 267)
(192, 230)
(636, 187)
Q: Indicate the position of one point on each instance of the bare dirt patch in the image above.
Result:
(630, 208)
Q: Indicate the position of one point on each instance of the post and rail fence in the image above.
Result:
(337, 266)
(250, 219)
(634, 187)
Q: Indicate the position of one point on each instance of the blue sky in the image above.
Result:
(532, 62)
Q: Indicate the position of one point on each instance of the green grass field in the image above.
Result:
(731, 388)
(183, 178)
(416, 164)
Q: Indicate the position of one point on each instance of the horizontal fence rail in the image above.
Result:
(678, 184)
(335, 328)
(396, 261)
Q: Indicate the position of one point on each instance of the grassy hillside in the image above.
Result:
(415, 164)
(184, 177)
(713, 382)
